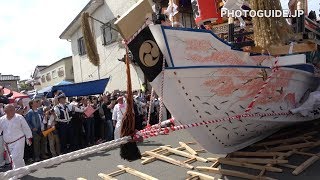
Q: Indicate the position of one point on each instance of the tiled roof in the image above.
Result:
(9, 78)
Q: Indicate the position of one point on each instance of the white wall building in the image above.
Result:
(36, 77)
(60, 70)
(108, 43)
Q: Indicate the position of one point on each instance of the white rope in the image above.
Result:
(150, 106)
(161, 92)
(63, 158)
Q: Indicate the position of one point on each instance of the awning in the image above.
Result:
(48, 89)
(15, 95)
(83, 89)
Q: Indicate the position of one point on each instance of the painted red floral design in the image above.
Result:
(229, 81)
(198, 45)
(220, 57)
(203, 51)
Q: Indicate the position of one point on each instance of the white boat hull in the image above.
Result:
(203, 94)
(206, 80)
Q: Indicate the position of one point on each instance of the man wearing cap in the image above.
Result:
(117, 115)
(65, 130)
(15, 132)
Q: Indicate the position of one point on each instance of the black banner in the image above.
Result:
(147, 54)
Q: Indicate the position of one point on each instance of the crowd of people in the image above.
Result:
(49, 127)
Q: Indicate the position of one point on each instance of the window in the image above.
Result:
(54, 74)
(187, 20)
(43, 79)
(48, 77)
(108, 33)
(81, 47)
(61, 72)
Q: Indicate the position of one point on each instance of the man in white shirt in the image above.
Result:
(65, 130)
(15, 132)
(117, 115)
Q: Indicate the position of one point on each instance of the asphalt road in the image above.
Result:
(106, 162)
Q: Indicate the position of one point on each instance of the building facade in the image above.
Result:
(61, 70)
(10, 81)
(36, 77)
(108, 42)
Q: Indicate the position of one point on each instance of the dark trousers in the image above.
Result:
(65, 132)
(99, 128)
(138, 122)
(38, 145)
(108, 130)
(153, 119)
(28, 152)
(77, 133)
(89, 130)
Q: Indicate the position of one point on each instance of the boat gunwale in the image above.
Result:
(215, 36)
(242, 66)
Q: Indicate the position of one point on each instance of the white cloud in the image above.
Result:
(29, 33)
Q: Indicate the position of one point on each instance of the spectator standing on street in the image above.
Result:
(77, 123)
(98, 126)
(54, 142)
(65, 130)
(138, 112)
(89, 123)
(107, 105)
(56, 93)
(117, 115)
(45, 102)
(35, 121)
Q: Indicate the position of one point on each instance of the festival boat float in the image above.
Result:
(248, 90)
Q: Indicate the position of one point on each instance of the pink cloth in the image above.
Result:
(89, 111)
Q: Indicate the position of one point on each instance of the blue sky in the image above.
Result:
(30, 29)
